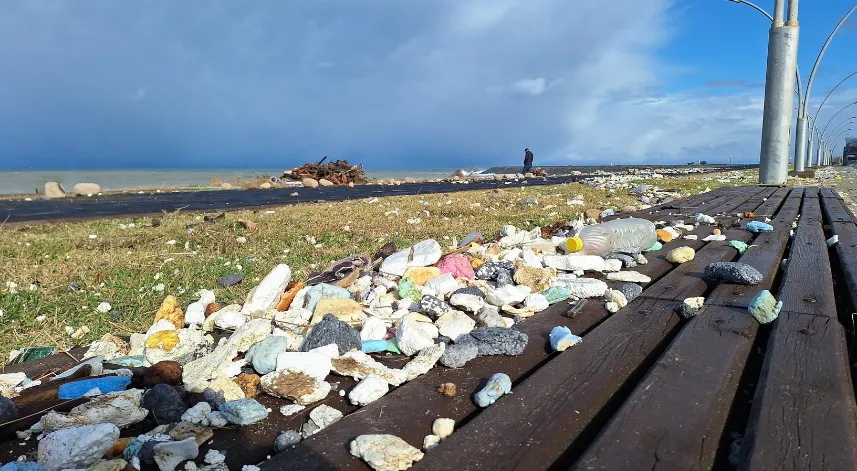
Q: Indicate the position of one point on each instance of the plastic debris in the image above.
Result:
(691, 307)
(561, 338)
(758, 226)
(498, 385)
(733, 272)
(833, 241)
(385, 452)
(741, 247)
(105, 384)
(764, 307)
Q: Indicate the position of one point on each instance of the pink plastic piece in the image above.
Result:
(457, 265)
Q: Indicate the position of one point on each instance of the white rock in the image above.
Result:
(430, 442)
(197, 374)
(442, 285)
(508, 230)
(191, 342)
(267, 294)
(443, 428)
(359, 365)
(314, 364)
(120, 408)
(705, 219)
(406, 304)
(216, 419)
(612, 265)
(574, 262)
(713, 237)
(530, 258)
(368, 390)
(413, 336)
(320, 418)
(86, 189)
(510, 255)
(197, 413)
(454, 323)
(385, 452)
(629, 276)
(195, 313)
(641, 259)
(206, 297)
(397, 263)
(214, 457)
(249, 333)
(425, 253)
(507, 294)
(520, 238)
(76, 448)
(228, 320)
(230, 389)
(614, 300)
(103, 308)
(536, 302)
(168, 455)
(291, 409)
(330, 350)
(470, 302)
(294, 319)
(295, 385)
(159, 326)
(424, 361)
(373, 329)
(691, 237)
(583, 287)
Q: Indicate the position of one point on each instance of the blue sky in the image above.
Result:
(392, 84)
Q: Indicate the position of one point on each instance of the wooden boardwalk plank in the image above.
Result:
(675, 417)
(808, 277)
(532, 427)
(804, 415)
(395, 413)
(846, 248)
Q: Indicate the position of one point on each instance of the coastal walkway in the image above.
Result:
(646, 388)
(135, 204)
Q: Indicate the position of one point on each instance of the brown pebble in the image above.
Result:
(288, 296)
(212, 308)
(247, 224)
(249, 383)
(156, 222)
(166, 371)
(447, 389)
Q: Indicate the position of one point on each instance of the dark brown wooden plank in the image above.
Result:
(804, 415)
(807, 282)
(395, 413)
(530, 428)
(769, 207)
(749, 199)
(675, 417)
(846, 252)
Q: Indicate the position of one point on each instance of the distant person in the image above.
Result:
(528, 161)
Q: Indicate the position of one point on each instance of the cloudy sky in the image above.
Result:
(392, 83)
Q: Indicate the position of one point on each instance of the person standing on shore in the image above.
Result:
(528, 160)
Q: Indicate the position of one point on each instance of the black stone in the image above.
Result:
(8, 411)
(164, 403)
(231, 280)
(332, 330)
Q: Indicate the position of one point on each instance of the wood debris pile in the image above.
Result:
(340, 172)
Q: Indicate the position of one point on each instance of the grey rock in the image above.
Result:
(458, 354)
(639, 189)
(631, 291)
(627, 260)
(489, 316)
(469, 290)
(231, 280)
(504, 277)
(263, 355)
(215, 398)
(499, 341)
(285, 440)
(433, 306)
(469, 238)
(332, 330)
(164, 403)
(8, 411)
(733, 272)
(490, 270)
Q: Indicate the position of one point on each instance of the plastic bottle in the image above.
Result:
(601, 239)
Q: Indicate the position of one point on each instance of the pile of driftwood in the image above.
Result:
(339, 173)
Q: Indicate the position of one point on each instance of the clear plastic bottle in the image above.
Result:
(601, 239)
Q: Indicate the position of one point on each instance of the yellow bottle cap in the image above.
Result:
(574, 244)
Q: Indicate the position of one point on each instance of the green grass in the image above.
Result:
(122, 265)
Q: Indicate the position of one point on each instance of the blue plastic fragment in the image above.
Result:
(497, 386)
(22, 466)
(243, 411)
(764, 307)
(132, 361)
(657, 246)
(759, 226)
(561, 338)
(378, 346)
(133, 448)
(106, 384)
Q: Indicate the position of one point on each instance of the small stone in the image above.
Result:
(368, 390)
(443, 428)
(614, 300)
(433, 306)
(561, 338)
(413, 336)
(508, 294)
(263, 355)
(489, 316)
(309, 183)
(537, 279)
(455, 323)
(490, 271)
(286, 440)
(230, 280)
(315, 363)
(498, 385)
(764, 307)
(631, 291)
(164, 403)
(249, 384)
(629, 276)
(430, 442)
(458, 354)
(196, 414)
(166, 371)
(664, 236)
(691, 307)
(425, 253)
(575, 262)
(359, 365)
(468, 302)
(298, 386)
(86, 189)
(385, 452)
(420, 275)
(216, 419)
(185, 430)
(499, 341)
(442, 285)
(681, 255)
(471, 291)
(628, 261)
(77, 447)
(168, 455)
(325, 182)
(424, 361)
(332, 330)
(214, 457)
(705, 219)
(741, 247)
(456, 265)
(103, 465)
(243, 411)
(171, 311)
(447, 389)
(8, 411)
(373, 329)
(266, 295)
(733, 272)
(291, 409)
(347, 310)
(556, 294)
(584, 287)
(320, 418)
(536, 303)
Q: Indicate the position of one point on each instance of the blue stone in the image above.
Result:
(263, 355)
(324, 291)
(107, 384)
(497, 386)
(759, 226)
(764, 307)
(243, 411)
